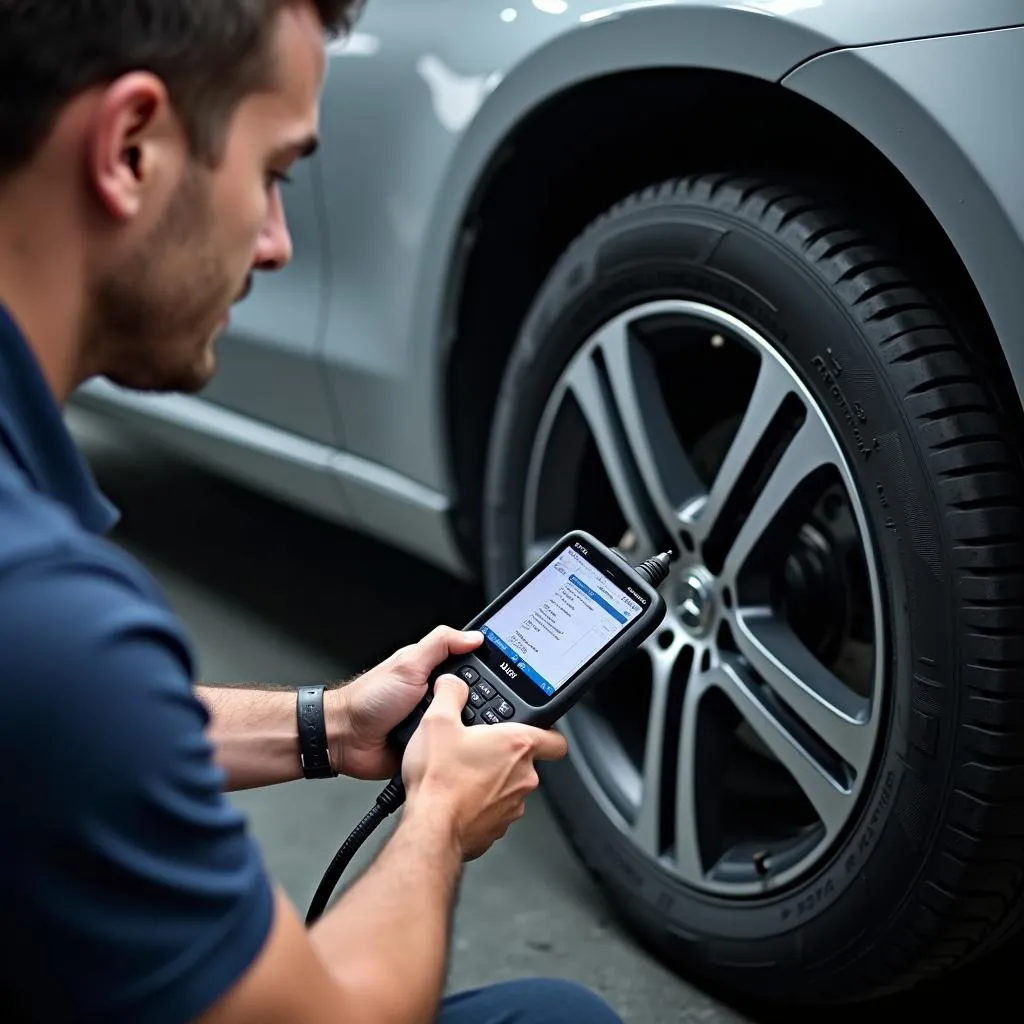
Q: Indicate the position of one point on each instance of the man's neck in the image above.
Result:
(41, 278)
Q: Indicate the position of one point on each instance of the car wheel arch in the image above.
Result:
(518, 222)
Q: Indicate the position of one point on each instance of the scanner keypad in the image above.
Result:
(484, 703)
(505, 709)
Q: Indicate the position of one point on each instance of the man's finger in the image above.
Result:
(441, 642)
(549, 745)
(450, 694)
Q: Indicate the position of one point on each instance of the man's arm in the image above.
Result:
(349, 966)
(379, 955)
(255, 733)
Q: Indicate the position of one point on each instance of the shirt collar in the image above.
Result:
(33, 429)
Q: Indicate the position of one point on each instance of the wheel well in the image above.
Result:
(593, 145)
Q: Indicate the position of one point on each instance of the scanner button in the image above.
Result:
(487, 690)
(469, 674)
(490, 717)
(505, 709)
(476, 698)
(468, 715)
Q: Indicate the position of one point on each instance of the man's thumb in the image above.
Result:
(450, 693)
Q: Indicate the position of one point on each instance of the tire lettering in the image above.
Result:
(853, 857)
(813, 899)
(830, 369)
(867, 837)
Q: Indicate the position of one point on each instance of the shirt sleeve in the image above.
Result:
(133, 889)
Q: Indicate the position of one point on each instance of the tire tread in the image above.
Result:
(979, 904)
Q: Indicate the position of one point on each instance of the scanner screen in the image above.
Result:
(557, 623)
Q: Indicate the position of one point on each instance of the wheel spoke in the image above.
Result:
(688, 860)
(772, 386)
(587, 387)
(830, 709)
(829, 797)
(647, 824)
(810, 449)
(667, 473)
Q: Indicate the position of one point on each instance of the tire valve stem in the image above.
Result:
(761, 862)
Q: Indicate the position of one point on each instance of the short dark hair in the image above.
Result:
(210, 54)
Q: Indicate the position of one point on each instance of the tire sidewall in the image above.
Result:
(691, 251)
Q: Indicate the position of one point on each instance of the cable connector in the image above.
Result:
(655, 570)
(392, 796)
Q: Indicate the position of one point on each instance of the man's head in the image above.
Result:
(165, 126)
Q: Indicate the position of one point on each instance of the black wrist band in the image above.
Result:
(314, 752)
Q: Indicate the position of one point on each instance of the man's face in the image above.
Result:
(157, 310)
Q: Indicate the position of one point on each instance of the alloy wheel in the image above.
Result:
(734, 748)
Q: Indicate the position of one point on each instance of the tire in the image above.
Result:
(925, 871)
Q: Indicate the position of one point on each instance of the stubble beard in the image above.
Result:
(155, 318)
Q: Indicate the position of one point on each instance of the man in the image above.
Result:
(142, 143)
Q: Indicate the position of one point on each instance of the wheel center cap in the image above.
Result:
(697, 601)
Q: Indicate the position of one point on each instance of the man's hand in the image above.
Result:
(476, 777)
(369, 707)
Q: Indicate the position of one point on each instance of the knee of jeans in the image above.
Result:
(558, 1001)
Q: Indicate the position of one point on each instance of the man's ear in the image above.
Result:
(135, 139)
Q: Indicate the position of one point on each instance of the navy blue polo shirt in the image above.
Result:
(132, 890)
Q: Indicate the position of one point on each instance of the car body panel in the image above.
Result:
(267, 365)
(957, 138)
(344, 354)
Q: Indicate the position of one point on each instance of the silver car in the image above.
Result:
(743, 278)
